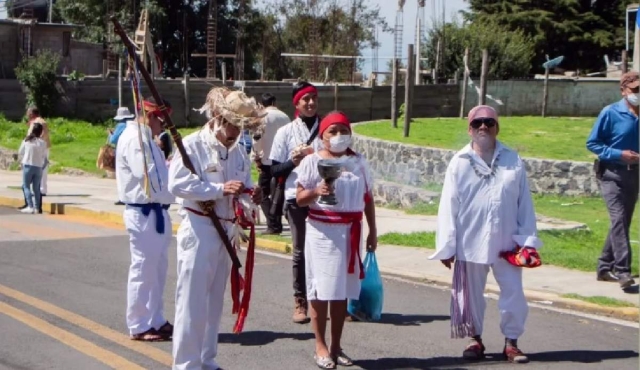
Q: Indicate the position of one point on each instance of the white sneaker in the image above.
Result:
(28, 210)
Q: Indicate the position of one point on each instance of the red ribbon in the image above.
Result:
(353, 218)
(522, 257)
(238, 284)
(152, 108)
(304, 91)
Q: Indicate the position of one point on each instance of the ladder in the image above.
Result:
(212, 38)
(144, 45)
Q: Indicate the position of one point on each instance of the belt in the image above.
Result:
(146, 208)
(355, 231)
(199, 213)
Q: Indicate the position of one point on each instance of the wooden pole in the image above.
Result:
(435, 69)
(483, 77)
(394, 94)
(186, 98)
(119, 82)
(625, 62)
(465, 82)
(408, 91)
(545, 93)
(335, 96)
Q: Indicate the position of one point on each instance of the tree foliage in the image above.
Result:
(510, 52)
(37, 74)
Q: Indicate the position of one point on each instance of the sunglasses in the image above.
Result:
(477, 123)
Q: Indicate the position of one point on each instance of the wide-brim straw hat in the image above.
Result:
(236, 108)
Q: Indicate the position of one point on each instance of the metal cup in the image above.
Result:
(330, 171)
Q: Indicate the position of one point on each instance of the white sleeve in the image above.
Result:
(527, 228)
(186, 185)
(307, 174)
(279, 147)
(447, 215)
(22, 149)
(368, 176)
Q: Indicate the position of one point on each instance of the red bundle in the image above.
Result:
(522, 257)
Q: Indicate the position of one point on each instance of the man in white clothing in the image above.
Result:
(142, 179)
(223, 172)
(273, 121)
(486, 215)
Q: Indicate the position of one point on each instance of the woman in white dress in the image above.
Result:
(333, 236)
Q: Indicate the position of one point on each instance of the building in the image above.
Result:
(29, 33)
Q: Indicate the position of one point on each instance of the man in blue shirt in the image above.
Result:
(614, 139)
(122, 116)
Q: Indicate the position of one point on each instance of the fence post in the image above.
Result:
(545, 93)
(465, 81)
(394, 94)
(483, 77)
(408, 91)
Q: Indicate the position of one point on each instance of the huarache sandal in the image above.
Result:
(166, 330)
(150, 335)
(343, 360)
(324, 362)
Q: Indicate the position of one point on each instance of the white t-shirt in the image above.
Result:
(288, 138)
(273, 121)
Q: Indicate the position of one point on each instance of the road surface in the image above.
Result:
(62, 306)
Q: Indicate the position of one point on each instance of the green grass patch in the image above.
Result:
(276, 238)
(552, 137)
(599, 300)
(575, 249)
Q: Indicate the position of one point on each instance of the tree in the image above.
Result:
(510, 52)
(581, 30)
(38, 74)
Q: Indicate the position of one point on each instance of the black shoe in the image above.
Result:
(23, 207)
(608, 276)
(625, 280)
(44, 195)
(119, 203)
(271, 232)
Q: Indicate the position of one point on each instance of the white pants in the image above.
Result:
(511, 303)
(203, 270)
(43, 181)
(148, 270)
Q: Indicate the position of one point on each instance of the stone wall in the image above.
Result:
(420, 166)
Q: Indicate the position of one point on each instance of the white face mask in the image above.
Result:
(632, 99)
(340, 143)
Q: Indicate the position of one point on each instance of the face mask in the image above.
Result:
(340, 143)
(632, 99)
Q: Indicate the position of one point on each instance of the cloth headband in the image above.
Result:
(303, 92)
(152, 108)
(334, 119)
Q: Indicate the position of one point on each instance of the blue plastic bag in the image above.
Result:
(369, 305)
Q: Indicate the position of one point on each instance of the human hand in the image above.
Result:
(323, 189)
(372, 241)
(256, 197)
(297, 158)
(233, 187)
(630, 157)
(447, 263)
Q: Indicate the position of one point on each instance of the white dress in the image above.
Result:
(327, 245)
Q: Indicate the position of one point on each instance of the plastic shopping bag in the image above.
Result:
(369, 305)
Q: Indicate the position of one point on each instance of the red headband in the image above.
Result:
(334, 119)
(152, 108)
(304, 91)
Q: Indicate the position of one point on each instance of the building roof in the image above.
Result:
(34, 22)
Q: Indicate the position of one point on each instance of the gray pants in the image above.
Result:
(297, 217)
(619, 187)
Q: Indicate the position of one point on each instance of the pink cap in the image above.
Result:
(482, 111)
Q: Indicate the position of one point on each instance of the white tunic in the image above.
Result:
(480, 217)
(288, 138)
(327, 245)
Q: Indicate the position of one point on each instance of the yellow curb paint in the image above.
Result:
(92, 326)
(273, 245)
(106, 357)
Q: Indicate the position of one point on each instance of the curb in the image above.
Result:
(623, 313)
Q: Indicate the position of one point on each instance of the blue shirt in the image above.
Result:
(113, 140)
(615, 130)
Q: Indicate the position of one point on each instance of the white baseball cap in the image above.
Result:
(123, 113)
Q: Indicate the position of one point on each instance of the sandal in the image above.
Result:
(343, 360)
(324, 362)
(166, 330)
(150, 335)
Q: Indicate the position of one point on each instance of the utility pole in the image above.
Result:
(50, 11)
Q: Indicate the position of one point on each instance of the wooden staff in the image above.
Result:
(208, 206)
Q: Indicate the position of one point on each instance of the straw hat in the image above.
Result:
(236, 108)
(123, 113)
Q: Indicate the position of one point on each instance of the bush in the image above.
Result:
(38, 74)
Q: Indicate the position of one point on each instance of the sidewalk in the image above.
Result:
(94, 198)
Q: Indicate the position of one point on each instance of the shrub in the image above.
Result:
(38, 75)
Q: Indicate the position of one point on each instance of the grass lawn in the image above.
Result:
(599, 300)
(573, 249)
(553, 138)
(74, 144)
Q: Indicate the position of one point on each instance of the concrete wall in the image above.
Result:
(9, 54)
(86, 58)
(571, 98)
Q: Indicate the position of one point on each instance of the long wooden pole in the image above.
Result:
(545, 93)
(408, 91)
(206, 206)
(483, 77)
(465, 82)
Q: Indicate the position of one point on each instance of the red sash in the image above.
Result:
(353, 218)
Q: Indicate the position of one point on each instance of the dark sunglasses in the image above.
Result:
(477, 123)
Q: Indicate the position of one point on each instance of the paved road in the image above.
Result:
(62, 299)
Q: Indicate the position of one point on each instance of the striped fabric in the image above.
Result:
(461, 311)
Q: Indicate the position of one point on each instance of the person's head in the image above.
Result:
(335, 132)
(36, 131)
(155, 118)
(123, 114)
(629, 87)
(268, 100)
(483, 126)
(33, 113)
(232, 112)
(305, 99)
(165, 144)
